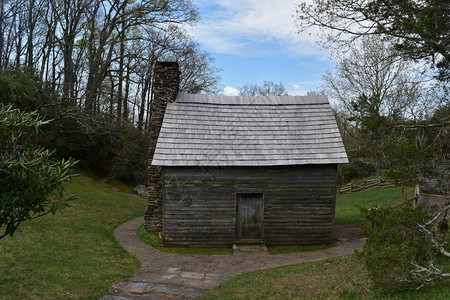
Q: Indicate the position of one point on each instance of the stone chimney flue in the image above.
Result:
(166, 80)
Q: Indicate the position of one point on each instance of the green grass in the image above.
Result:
(153, 239)
(149, 238)
(74, 254)
(120, 185)
(347, 211)
(295, 249)
(338, 278)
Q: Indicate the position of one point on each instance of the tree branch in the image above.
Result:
(423, 126)
(438, 245)
(442, 211)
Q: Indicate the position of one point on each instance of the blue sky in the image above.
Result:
(256, 40)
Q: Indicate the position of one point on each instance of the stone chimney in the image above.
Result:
(166, 79)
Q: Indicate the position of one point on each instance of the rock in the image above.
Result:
(132, 287)
(141, 190)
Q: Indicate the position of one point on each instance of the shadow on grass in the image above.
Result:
(153, 239)
(296, 249)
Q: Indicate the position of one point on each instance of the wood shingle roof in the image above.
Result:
(203, 130)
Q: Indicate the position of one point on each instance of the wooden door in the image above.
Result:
(249, 217)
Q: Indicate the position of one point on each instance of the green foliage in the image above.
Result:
(17, 87)
(359, 167)
(419, 30)
(373, 127)
(395, 246)
(430, 26)
(130, 156)
(115, 150)
(415, 149)
(30, 180)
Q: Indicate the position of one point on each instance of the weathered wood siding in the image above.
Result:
(200, 204)
(439, 183)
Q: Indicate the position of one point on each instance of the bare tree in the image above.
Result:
(78, 47)
(198, 73)
(68, 16)
(419, 29)
(267, 88)
(375, 87)
(123, 15)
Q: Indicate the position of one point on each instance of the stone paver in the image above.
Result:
(179, 276)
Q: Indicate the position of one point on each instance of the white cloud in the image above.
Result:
(297, 90)
(252, 27)
(301, 88)
(230, 91)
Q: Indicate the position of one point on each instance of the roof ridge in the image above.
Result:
(251, 100)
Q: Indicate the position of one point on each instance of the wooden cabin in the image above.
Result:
(253, 170)
(435, 189)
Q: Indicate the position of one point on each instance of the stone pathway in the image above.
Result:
(179, 276)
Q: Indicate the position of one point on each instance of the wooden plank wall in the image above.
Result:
(439, 183)
(200, 204)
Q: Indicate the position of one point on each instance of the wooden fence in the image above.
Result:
(366, 185)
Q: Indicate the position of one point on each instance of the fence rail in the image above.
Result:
(366, 185)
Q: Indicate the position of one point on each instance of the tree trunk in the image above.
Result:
(31, 25)
(143, 101)
(147, 112)
(111, 98)
(127, 92)
(2, 10)
(69, 76)
(120, 99)
(18, 41)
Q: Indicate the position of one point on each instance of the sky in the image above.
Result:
(254, 41)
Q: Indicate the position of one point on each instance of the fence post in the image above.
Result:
(351, 187)
(364, 185)
(417, 194)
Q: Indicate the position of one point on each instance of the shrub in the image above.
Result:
(18, 87)
(30, 180)
(397, 249)
(111, 149)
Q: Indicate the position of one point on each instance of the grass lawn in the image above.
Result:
(347, 211)
(74, 254)
(339, 278)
